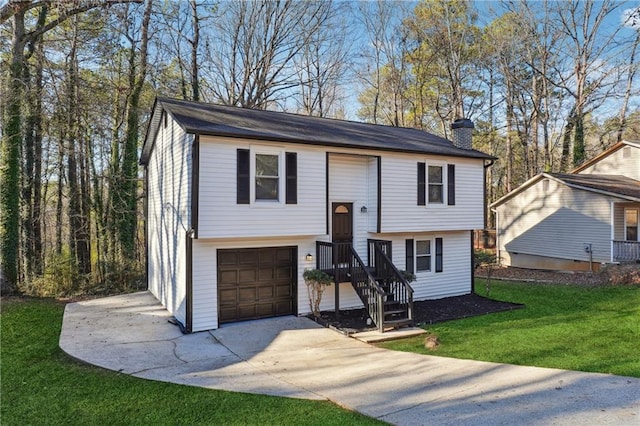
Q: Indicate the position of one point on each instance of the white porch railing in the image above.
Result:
(626, 251)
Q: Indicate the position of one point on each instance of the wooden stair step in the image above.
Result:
(395, 312)
(398, 322)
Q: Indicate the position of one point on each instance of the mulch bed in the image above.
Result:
(424, 312)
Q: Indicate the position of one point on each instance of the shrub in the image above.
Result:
(409, 276)
(317, 281)
(60, 278)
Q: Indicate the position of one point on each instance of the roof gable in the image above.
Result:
(605, 154)
(219, 120)
(611, 185)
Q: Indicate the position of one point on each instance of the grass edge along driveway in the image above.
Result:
(42, 385)
(591, 329)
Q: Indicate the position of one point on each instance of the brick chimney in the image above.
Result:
(462, 129)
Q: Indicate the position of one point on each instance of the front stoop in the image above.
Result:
(375, 336)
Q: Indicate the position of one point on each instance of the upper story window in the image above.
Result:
(432, 181)
(267, 176)
(435, 185)
(267, 179)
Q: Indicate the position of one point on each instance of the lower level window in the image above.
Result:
(423, 255)
(428, 252)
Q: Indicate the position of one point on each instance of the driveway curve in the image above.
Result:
(294, 357)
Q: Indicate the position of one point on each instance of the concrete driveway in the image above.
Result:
(294, 357)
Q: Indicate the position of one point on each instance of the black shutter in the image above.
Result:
(438, 254)
(451, 184)
(409, 254)
(291, 165)
(422, 184)
(243, 176)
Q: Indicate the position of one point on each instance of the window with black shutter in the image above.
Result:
(422, 181)
(451, 184)
(439, 266)
(409, 256)
(243, 179)
(291, 164)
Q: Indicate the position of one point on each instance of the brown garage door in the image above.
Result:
(256, 283)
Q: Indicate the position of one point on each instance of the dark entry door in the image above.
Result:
(256, 283)
(342, 230)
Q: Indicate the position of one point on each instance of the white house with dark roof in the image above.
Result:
(240, 202)
(574, 221)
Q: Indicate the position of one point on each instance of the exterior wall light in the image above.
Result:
(309, 257)
(363, 209)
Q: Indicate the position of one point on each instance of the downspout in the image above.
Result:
(188, 326)
(146, 223)
(484, 191)
(498, 257)
(192, 233)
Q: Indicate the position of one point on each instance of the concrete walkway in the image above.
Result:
(294, 357)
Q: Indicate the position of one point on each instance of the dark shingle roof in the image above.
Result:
(218, 120)
(615, 184)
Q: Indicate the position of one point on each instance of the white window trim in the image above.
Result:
(445, 174)
(432, 242)
(625, 221)
(267, 150)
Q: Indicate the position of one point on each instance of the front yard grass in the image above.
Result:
(594, 329)
(42, 385)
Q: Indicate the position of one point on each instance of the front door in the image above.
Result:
(342, 230)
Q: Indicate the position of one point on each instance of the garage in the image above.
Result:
(256, 283)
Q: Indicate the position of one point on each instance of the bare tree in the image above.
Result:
(322, 66)
(385, 62)
(594, 58)
(251, 62)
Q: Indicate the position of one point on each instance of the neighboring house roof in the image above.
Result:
(604, 154)
(235, 122)
(611, 185)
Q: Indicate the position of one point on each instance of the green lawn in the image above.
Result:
(41, 385)
(568, 327)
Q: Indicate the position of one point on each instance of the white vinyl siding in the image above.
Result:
(400, 212)
(168, 220)
(205, 295)
(455, 278)
(556, 223)
(221, 217)
(349, 183)
(617, 164)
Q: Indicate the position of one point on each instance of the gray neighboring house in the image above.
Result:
(574, 221)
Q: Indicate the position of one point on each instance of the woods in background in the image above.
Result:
(548, 85)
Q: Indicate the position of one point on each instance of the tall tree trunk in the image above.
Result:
(510, 130)
(71, 115)
(579, 154)
(60, 193)
(566, 141)
(195, 20)
(10, 160)
(622, 120)
(127, 211)
(535, 120)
